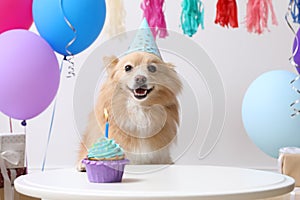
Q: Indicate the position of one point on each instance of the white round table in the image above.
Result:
(158, 182)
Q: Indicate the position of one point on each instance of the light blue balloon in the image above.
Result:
(86, 16)
(266, 112)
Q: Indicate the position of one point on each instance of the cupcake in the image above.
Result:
(105, 162)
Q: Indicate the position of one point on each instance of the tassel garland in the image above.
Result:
(258, 15)
(192, 16)
(153, 12)
(115, 19)
(227, 13)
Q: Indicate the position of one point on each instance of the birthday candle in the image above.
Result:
(106, 124)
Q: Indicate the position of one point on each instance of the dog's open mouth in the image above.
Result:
(141, 93)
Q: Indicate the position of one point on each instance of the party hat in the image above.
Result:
(144, 41)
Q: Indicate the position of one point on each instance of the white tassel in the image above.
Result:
(115, 17)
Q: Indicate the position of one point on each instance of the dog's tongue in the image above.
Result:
(140, 91)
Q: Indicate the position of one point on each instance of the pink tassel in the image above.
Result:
(153, 12)
(258, 15)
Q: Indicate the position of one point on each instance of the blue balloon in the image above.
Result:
(266, 112)
(51, 18)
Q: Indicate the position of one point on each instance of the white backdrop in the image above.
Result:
(239, 56)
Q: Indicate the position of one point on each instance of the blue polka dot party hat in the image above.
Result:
(144, 41)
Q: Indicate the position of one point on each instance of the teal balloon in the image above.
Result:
(51, 18)
(266, 112)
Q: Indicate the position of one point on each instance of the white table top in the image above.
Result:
(158, 182)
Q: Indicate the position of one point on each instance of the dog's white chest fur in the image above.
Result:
(142, 121)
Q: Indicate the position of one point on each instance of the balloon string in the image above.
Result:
(294, 32)
(71, 66)
(50, 128)
(295, 10)
(296, 111)
(10, 125)
(26, 157)
(293, 105)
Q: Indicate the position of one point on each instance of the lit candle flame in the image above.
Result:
(105, 114)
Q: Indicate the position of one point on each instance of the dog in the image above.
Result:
(140, 95)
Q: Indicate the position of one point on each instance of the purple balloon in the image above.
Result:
(297, 54)
(29, 74)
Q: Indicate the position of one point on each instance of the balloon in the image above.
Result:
(29, 74)
(15, 14)
(297, 54)
(266, 112)
(86, 17)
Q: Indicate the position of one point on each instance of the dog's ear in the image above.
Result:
(170, 65)
(110, 62)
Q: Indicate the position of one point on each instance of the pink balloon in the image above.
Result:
(15, 14)
(29, 74)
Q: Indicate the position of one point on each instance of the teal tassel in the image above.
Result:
(192, 16)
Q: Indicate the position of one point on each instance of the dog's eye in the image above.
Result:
(128, 68)
(151, 68)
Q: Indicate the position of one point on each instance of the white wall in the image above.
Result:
(239, 57)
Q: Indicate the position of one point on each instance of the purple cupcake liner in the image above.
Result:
(105, 171)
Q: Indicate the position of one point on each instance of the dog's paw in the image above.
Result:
(80, 167)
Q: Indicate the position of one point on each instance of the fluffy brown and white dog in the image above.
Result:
(140, 94)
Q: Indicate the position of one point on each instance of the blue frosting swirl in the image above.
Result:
(105, 148)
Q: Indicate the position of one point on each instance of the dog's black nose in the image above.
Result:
(140, 79)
